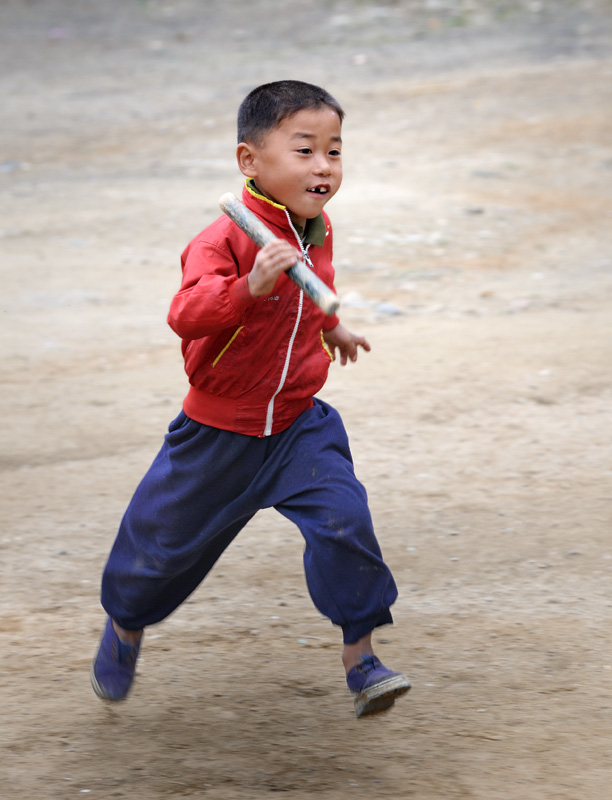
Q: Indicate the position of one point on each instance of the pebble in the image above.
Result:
(389, 309)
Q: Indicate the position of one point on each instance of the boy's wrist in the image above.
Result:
(252, 291)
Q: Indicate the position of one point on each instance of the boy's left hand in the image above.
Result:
(346, 342)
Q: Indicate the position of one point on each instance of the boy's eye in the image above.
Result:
(335, 153)
(305, 151)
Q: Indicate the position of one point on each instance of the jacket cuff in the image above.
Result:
(330, 323)
(240, 295)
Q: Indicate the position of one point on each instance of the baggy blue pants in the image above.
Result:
(204, 486)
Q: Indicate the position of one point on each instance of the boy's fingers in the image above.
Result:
(277, 257)
(284, 255)
(348, 352)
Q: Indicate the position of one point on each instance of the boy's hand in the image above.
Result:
(346, 342)
(272, 260)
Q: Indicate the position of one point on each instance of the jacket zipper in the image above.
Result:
(270, 411)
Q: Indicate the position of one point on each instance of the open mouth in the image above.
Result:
(318, 190)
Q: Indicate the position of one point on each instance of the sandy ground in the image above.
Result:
(473, 242)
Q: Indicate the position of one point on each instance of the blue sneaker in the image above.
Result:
(375, 687)
(112, 671)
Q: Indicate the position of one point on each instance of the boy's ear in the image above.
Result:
(246, 160)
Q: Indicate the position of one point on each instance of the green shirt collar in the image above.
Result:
(315, 231)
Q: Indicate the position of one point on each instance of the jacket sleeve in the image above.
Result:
(330, 323)
(212, 296)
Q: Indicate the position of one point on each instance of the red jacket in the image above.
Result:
(254, 364)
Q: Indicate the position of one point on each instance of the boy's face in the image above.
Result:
(298, 164)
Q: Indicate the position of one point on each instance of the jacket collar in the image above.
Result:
(278, 215)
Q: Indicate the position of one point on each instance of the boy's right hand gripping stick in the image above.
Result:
(300, 274)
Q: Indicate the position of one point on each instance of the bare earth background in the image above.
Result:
(473, 248)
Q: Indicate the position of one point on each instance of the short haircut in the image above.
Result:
(268, 105)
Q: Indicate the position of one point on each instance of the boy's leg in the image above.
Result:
(317, 489)
(185, 512)
(345, 572)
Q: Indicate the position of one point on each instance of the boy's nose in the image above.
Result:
(322, 166)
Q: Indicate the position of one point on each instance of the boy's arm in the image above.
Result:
(346, 342)
(212, 295)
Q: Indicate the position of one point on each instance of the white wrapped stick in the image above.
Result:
(305, 278)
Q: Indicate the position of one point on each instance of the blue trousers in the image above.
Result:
(204, 486)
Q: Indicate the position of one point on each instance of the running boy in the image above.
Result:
(251, 435)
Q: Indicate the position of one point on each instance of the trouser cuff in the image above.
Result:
(354, 631)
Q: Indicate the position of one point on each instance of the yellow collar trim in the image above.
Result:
(250, 186)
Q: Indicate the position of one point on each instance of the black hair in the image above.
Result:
(269, 104)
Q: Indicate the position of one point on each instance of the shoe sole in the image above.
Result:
(380, 697)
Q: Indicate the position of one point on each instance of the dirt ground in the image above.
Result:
(473, 239)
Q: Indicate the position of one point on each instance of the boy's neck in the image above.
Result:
(300, 228)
